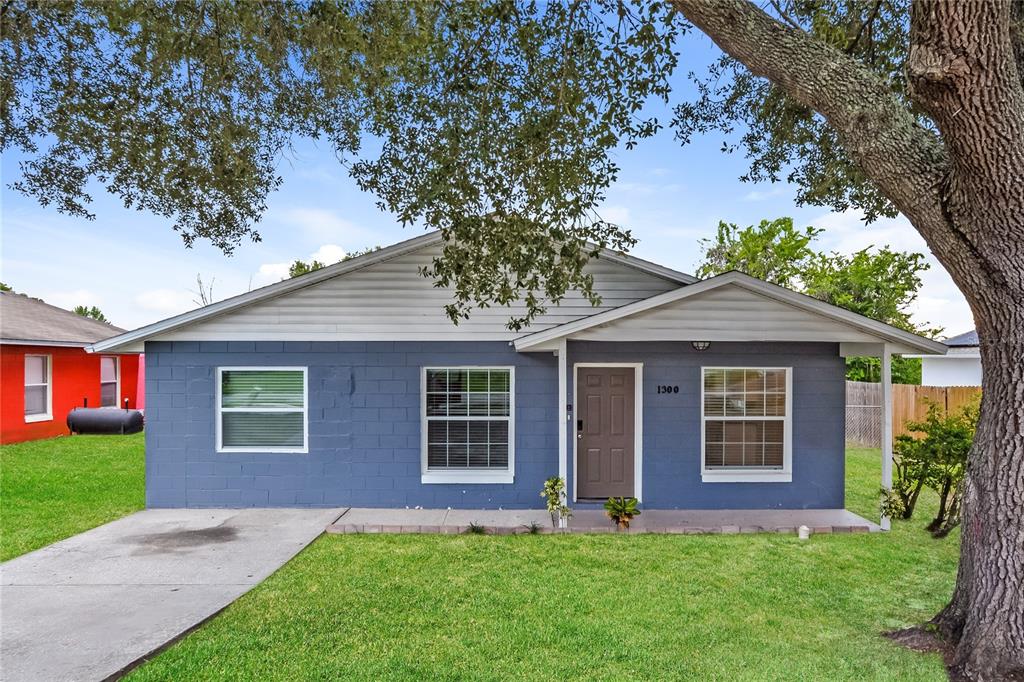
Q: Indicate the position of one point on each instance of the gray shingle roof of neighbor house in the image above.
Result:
(966, 339)
(25, 320)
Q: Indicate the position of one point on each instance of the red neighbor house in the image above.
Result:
(45, 371)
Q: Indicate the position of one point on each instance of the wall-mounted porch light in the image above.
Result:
(700, 345)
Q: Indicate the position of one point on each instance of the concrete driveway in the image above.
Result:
(87, 607)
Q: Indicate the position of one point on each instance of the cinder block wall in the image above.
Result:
(672, 422)
(364, 427)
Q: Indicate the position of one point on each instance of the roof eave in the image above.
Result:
(44, 342)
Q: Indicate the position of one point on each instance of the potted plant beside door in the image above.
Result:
(621, 510)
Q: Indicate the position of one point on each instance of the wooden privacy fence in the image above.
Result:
(909, 404)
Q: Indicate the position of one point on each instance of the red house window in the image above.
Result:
(38, 396)
(109, 381)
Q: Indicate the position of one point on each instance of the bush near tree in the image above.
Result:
(938, 460)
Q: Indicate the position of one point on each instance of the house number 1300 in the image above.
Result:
(668, 389)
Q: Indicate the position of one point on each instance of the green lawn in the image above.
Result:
(53, 489)
(586, 607)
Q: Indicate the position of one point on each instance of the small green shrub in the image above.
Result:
(621, 510)
(910, 464)
(892, 504)
(554, 493)
(938, 460)
(476, 529)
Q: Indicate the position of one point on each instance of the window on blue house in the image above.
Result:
(746, 423)
(261, 409)
(467, 424)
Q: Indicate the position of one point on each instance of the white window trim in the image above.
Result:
(305, 409)
(469, 475)
(117, 380)
(638, 423)
(719, 475)
(43, 416)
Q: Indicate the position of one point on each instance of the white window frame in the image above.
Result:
(428, 475)
(743, 475)
(117, 380)
(42, 416)
(305, 409)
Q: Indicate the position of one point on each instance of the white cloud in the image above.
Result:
(322, 174)
(328, 254)
(268, 273)
(69, 299)
(847, 233)
(939, 302)
(167, 302)
(322, 225)
(618, 215)
(646, 189)
(762, 194)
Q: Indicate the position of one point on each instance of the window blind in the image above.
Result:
(263, 409)
(467, 418)
(744, 418)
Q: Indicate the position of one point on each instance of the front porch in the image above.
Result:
(667, 521)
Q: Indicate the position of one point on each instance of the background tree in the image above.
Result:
(203, 291)
(300, 267)
(773, 250)
(91, 312)
(881, 284)
(496, 124)
(5, 287)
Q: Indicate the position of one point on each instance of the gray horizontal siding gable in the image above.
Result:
(392, 300)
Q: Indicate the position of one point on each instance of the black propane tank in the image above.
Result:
(104, 420)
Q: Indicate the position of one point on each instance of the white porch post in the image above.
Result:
(886, 424)
(563, 416)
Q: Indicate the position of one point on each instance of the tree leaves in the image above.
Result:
(494, 121)
(786, 140)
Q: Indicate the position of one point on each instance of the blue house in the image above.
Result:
(350, 387)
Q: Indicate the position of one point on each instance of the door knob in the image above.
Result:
(579, 436)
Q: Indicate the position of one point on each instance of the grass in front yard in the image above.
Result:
(587, 607)
(52, 489)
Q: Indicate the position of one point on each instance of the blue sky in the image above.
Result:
(135, 268)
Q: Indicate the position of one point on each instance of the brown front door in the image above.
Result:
(605, 429)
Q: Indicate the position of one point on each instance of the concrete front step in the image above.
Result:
(673, 521)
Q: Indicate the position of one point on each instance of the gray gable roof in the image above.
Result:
(966, 339)
(131, 341)
(24, 319)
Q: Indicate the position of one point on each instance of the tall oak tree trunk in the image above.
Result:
(963, 190)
